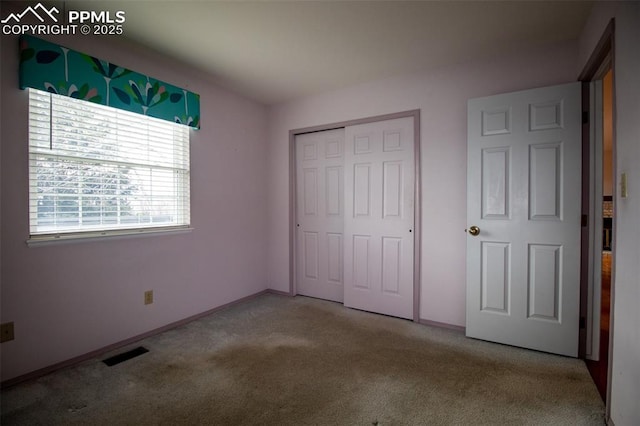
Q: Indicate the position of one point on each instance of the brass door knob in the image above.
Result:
(474, 230)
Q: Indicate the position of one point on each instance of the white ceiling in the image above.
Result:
(276, 51)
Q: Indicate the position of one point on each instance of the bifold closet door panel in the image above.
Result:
(320, 214)
(379, 217)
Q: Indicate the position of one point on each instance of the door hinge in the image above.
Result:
(582, 322)
(585, 117)
(585, 221)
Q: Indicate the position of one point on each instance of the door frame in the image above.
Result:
(417, 205)
(602, 56)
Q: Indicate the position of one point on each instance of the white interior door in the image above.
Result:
(523, 192)
(379, 217)
(320, 214)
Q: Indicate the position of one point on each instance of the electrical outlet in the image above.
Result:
(6, 332)
(148, 297)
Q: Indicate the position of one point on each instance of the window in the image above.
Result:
(96, 170)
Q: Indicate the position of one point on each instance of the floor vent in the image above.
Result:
(125, 356)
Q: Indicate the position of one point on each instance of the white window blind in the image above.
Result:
(94, 168)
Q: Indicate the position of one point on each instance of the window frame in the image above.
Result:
(180, 200)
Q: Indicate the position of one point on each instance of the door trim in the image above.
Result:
(417, 238)
(603, 55)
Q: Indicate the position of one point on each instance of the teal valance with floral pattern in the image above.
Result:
(57, 69)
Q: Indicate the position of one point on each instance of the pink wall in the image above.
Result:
(442, 98)
(67, 300)
(625, 362)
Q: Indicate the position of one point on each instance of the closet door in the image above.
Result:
(379, 217)
(320, 214)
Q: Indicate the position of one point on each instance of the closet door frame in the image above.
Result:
(415, 114)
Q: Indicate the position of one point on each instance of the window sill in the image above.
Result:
(54, 239)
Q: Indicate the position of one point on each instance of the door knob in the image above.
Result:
(474, 230)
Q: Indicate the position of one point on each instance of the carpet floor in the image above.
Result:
(276, 360)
